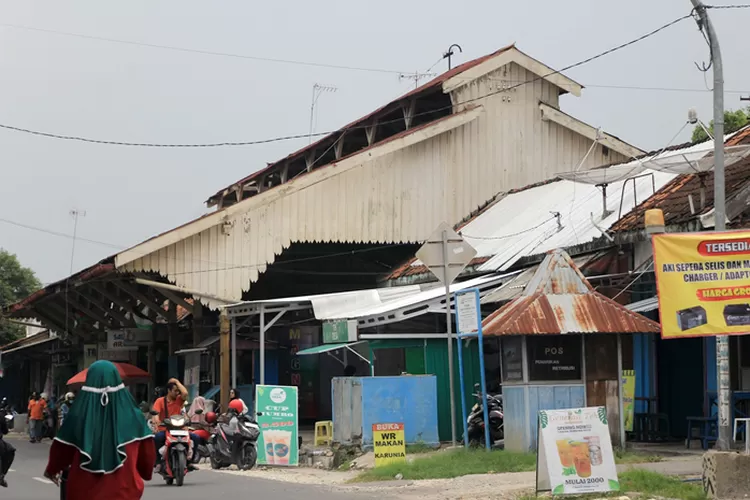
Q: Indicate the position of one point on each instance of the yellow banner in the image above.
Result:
(703, 283)
(389, 443)
(628, 398)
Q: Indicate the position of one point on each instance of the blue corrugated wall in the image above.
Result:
(520, 427)
(409, 399)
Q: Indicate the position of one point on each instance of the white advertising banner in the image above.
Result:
(574, 452)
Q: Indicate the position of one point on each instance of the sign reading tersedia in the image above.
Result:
(703, 283)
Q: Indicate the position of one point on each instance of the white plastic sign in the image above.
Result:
(574, 452)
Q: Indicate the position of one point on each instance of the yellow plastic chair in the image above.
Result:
(323, 432)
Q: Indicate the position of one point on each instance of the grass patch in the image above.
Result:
(652, 483)
(419, 448)
(454, 463)
(628, 457)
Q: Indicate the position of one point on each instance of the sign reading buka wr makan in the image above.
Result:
(389, 443)
(703, 283)
(574, 452)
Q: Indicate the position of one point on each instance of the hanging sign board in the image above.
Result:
(389, 443)
(574, 452)
(340, 332)
(279, 431)
(703, 283)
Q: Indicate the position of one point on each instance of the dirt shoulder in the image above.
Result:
(475, 486)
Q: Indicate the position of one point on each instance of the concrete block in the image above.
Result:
(726, 475)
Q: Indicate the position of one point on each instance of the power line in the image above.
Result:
(739, 6)
(57, 233)
(160, 145)
(505, 236)
(304, 136)
(205, 52)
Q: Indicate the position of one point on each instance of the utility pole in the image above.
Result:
(722, 341)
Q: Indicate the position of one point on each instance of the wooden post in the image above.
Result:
(152, 364)
(225, 356)
(173, 340)
(197, 322)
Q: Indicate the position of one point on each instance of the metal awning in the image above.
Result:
(34, 344)
(327, 348)
(330, 348)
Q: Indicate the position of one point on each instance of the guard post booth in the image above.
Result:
(562, 347)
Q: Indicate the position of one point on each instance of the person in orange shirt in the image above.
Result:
(37, 405)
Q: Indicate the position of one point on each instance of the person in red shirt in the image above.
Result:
(105, 443)
(171, 404)
(37, 405)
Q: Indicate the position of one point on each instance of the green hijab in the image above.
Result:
(103, 420)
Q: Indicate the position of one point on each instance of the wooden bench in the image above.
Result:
(707, 430)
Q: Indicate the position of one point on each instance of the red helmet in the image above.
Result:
(211, 417)
(236, 405)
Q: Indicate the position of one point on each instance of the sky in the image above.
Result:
(137, 93)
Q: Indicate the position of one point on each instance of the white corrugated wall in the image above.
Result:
(399, 197)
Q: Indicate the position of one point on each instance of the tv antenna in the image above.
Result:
(318, 90)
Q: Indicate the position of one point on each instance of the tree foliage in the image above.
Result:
(733, 121)
(16, 282)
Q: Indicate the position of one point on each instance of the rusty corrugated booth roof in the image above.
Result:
(559, 300)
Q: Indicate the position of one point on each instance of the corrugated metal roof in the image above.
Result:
(501, 239)
(645, 305)
(559, 300)
(515, 286)
(431, 86)
(374, 305)
(674, 197)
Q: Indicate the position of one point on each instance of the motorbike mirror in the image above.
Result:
(259, 413)
(153, 413)
(198, 411)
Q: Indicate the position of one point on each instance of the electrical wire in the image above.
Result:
(519, 233)
(57, 233)
(204, 52)
(307, 135)
(720, 7)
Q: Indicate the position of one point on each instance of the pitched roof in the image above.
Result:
(559, 300)
(430, 88)
(674, 197)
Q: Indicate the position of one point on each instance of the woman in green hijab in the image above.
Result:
(104, 441)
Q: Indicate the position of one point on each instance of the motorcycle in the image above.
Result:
(235, 442)
(204, 431)
(475, 420)
(177, 450)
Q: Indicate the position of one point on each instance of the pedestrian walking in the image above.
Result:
(104, 443)
(37, 407)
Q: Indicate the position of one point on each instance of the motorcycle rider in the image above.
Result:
(171, 404)
(7, 450)
(65, 406)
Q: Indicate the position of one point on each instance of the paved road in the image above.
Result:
(27, 483)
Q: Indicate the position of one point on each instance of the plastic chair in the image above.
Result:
(323, 432)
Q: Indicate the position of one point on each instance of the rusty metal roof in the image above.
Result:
(674, 197)
(559, 300)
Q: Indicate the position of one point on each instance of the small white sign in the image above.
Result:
(467, 312)
(121, 340)
(574, 452)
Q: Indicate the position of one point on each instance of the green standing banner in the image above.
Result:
(279, 431)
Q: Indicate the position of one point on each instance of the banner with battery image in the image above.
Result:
(703, 283)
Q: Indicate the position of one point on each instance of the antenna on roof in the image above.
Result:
(450, 53)
(318, 89)
(416, 76)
